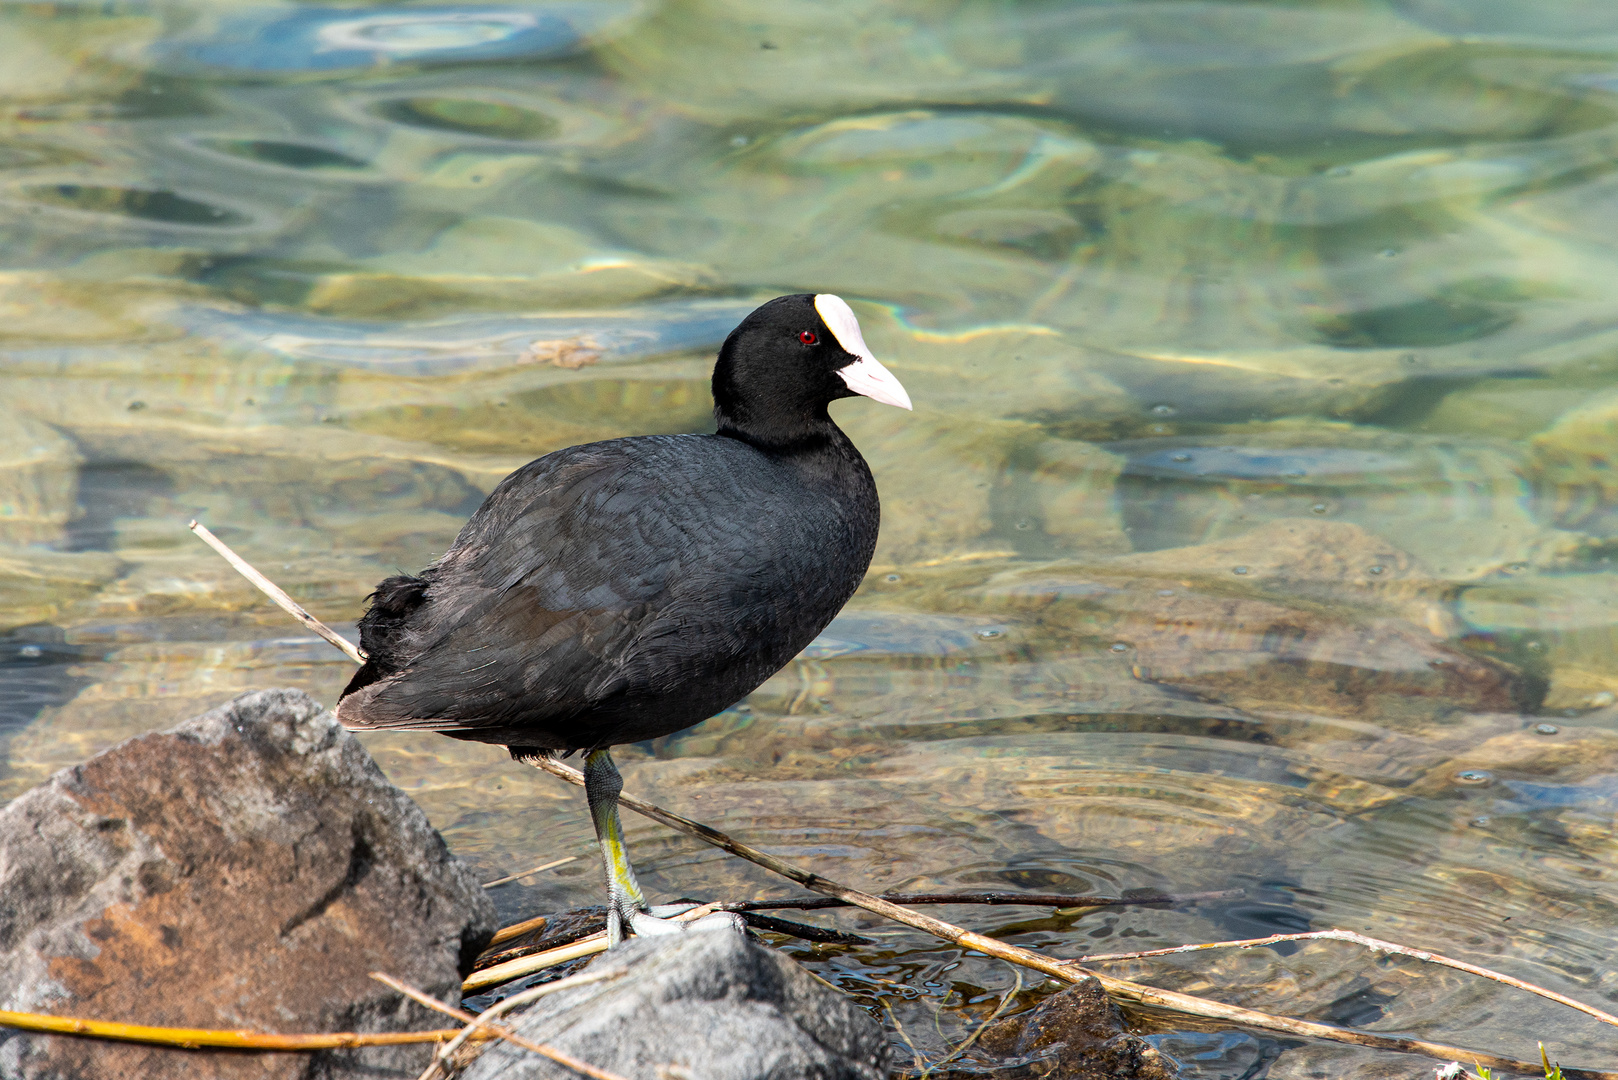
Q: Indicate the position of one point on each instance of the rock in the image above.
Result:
(1462, 508)
(498, 263)
(119, 692)
(1333, 563)
(1505, 408)
(1556, 759)
(1297, 615)
(1268, 657)
(1075, 504)
(1076, 1035)
(708, 1003)
(247, 869)
(1014, 371)
(551, 416)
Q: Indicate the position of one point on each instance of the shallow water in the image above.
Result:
(1253, 529)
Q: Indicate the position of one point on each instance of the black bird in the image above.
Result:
(623, 590)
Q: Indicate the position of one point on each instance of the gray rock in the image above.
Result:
(247, 869)
(704, 1005)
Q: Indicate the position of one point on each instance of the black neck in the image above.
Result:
(780, 434)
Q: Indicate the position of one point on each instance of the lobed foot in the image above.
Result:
(664, 919)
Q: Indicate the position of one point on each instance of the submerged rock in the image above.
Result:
(953, 484)
(1297, 615)
(706, 1003)
(247, 869)
(1077, 1035)
(1570, 465)
(38, 584)
(936, 478)
(1566, 622)
(1460, 507)
(39, 480)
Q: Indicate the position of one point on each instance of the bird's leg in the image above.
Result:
(624, 898)
(626, 905)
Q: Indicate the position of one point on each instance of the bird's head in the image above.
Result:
(788, 360)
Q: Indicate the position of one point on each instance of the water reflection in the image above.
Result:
(270, 40)
(1255, 524)
(147, 205)
(288, 155)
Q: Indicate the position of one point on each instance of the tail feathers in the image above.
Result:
(396, 597)
(392, 604)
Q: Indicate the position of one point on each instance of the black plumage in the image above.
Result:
(627, 589)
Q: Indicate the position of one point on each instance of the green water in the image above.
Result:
(1253, 529)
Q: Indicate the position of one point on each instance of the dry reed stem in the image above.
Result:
(585, 946)
(527, 965)
(484, 1021)
(210, 1038)
(273, 591)
(1055, 900)
(543, 866)
(516, 930)
(422, 998)
(1375, 944)
(1137, 994)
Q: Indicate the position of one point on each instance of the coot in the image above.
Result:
(627, 589)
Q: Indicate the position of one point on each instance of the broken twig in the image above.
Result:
(527, 965)
(273, 591)
(422, 998)
(1056, 900)
(1376, 945)
(485, 1021)
(543, 866)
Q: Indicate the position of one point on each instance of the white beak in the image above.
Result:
(865, 375)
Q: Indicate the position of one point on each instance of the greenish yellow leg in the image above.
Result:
(626, 905)
(624, 898)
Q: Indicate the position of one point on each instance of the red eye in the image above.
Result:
(808, 337)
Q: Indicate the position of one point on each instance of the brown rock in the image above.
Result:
(1077, 1034)
(247, 869)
